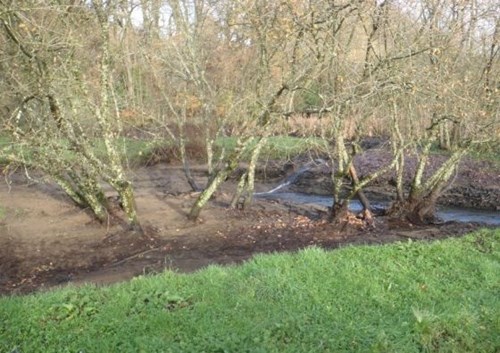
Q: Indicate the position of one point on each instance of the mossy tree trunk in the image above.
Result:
(343, 169)
(218, 178)
(420, 204)
(118, 179)
(246, 185)
(232, 161)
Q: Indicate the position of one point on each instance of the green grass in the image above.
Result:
(137, 152)
(487, 152)
(133, 150)
(278, 147)
(4, 142)
(405, 297)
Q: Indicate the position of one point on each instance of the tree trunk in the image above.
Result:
(251, 170)
(399, 177)
(126, 196)
(420, 206)
(218, 178)
(339, 212)
(246, 185)
(70, 191)
(420, 210)
(117, 180)
(202, 200)
(87, 194)
(361, 195)
(184, 158)
(235, 202)
(444, 136)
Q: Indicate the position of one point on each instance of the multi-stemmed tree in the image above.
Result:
(60, 109)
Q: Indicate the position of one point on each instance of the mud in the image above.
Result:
(46, 241)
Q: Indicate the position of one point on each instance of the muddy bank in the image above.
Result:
(47, 241)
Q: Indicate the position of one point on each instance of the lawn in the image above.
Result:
(440, 296)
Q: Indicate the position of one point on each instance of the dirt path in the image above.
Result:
(46, 241)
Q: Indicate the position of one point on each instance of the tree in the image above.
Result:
(449, 92)
(268, 68)
(52, 125)
(417, 73)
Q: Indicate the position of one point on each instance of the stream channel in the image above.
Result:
(445, 214)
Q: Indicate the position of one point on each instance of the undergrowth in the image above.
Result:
(404, 297)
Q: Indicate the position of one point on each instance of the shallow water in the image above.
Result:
(444, 213)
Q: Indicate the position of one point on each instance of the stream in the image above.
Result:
(444, 213)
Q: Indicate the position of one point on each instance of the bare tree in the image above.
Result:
(51, 122)
(447, 95)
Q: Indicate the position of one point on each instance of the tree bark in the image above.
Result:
(202, 200)
(246, 185)
(361, 195)
(126, 193)
(420, 206)
(184, 158)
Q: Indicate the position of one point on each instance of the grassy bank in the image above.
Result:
(277, 147)
(134, 150)
(137, 151)
(406, 297)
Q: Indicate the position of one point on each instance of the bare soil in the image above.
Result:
(46, 241)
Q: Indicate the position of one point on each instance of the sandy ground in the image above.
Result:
(46, 241)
